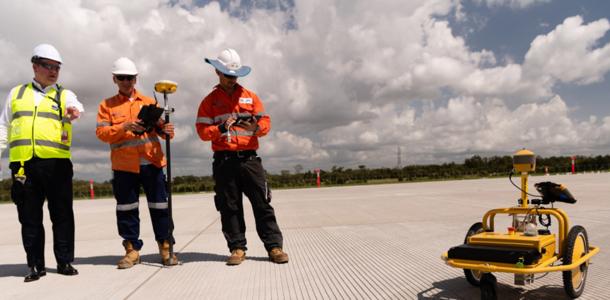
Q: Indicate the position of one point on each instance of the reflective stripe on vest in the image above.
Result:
(22, 114)
(135, 143)
(52, 145)
(205, 120)
(37, 130)
(239, 133)
(221, 118)
(16, 143)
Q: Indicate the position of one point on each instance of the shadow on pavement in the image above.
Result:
(19, 270)
(546, 292)
(459, 288)
(187, 257)
(98, 260)
(455, 288)
(184, 257)
(14, 270)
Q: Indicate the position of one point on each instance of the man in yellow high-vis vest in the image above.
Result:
(36, 124)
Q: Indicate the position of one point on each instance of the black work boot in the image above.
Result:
(32, 276)
(42, 271)
(66, 269)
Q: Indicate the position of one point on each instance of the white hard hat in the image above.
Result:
(124, 66)
(229, 63)
(46, 51)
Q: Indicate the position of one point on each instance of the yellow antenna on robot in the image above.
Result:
(524, 161)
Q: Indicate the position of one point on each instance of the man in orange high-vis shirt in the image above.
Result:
(137, 160)
(233, 118)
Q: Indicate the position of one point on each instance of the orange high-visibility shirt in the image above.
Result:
(218, 106)
(126, 147)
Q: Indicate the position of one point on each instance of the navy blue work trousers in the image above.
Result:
(126, 189)
(234, 176)
(49, 179)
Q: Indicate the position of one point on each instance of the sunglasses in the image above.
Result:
(228, 76)
(48, 66)
(125, 77)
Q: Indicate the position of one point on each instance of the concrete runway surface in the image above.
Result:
(360, 242)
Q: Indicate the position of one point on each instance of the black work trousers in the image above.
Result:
(233, 177)
(50, 179)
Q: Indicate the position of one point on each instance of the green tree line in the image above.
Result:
(473, 167)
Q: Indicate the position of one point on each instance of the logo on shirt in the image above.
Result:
(245, 100)
(55, 107)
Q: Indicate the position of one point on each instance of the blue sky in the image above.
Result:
(508, 32)
(345, 82)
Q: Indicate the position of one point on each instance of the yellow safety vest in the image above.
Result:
(43, 131)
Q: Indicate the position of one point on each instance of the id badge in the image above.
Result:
(64, 136)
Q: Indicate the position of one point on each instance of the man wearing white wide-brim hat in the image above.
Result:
(233, 119)
(37, 125)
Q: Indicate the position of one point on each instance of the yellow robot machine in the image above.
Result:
(528, 247)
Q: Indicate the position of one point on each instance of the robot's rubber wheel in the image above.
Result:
(575, 247)
(472, 276)
(488, 287)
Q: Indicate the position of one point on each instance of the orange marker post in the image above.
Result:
(91, 189)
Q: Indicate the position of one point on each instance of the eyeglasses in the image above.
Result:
(125, 77)
(48, 66)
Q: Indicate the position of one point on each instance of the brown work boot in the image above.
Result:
(131, 258)
(164, 252)
(278, 256)
(237, 256)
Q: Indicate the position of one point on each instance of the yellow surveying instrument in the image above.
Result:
(166, 87)
(525, 248)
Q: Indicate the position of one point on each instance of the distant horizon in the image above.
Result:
(292, 172)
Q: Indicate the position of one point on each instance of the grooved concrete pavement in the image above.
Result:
(361, 242)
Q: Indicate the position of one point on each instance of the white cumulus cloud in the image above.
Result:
(571, 52)
(344, 83)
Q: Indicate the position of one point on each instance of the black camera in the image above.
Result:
(149, 116)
